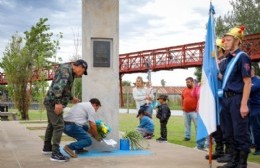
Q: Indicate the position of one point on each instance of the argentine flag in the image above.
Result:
(208, 102)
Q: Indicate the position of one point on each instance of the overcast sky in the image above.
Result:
(143, 24)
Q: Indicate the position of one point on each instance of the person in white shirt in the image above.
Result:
(79, 123)
(142, 95)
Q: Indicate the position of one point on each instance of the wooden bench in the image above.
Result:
(4, 115)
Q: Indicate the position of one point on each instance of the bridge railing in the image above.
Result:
(183, 56)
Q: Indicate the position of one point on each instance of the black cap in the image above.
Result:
(141, 111)
(164, 97)
(83, 63)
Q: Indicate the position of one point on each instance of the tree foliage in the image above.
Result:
(24, 61)
(42, 47)
(77, 84)
(126, 83)
(17, 66)
(163, 82)
(244, 12)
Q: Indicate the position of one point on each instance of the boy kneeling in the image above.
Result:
(146, 126)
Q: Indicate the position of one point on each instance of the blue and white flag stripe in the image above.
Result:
(208, 102)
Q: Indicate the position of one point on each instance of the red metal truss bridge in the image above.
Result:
(168, 58)
(181, 56)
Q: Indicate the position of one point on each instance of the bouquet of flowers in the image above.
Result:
(102, 128)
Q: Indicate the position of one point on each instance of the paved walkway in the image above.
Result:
(21, 148)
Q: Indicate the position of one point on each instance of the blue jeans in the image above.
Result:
(143, 131)
(188, 118)
(203, 143)
(80, 133)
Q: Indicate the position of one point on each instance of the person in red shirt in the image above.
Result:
(189, 105)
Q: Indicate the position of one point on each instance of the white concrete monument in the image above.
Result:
(100, 48)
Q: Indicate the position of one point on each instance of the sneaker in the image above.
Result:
(163, 140)
(201, 149)
(70, 152)
(206, 149)
(47, 149)
(80, 151)
(149, 136)
(186, 139)
(159, 139)
(58, 157)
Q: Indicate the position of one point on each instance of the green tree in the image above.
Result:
(163, 83)
(17, 67)
(25, 61)
(77, 84)
(126, 83)
(198, 73)
(41, 47)
(244, 12)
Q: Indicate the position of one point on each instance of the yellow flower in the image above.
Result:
(105, 130)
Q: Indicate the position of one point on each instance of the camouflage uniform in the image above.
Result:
(59, 92)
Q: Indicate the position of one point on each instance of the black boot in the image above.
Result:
(234, 161)
(219, 152)
(227, 156)
(242, 159)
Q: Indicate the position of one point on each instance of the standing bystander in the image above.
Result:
(189, 106)
(203, 143)
(163, 114)
(141, 96)
(57, 97)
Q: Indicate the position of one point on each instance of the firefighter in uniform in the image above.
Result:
(236, 81)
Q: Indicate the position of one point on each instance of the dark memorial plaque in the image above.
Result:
(101, 53)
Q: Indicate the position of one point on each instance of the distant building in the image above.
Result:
(173, 92)
(169, 90)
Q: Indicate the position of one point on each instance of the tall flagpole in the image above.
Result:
(210, 141)
(210, 150)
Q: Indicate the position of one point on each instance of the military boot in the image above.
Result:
(234, 161)
(227, 156)
(242, 159)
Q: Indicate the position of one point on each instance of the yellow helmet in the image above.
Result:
(220, 43)
(237, 32)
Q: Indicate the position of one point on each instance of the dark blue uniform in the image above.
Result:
(219, 153)
(235, 127)
(255, 112)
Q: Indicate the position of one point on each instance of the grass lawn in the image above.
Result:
(129, 122)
